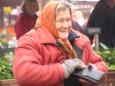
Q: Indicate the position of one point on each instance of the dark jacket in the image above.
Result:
(104, 17)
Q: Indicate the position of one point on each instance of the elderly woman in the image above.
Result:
(44, 55)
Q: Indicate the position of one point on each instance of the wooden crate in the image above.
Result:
(9, 82)
(109, 82)
(111, 78)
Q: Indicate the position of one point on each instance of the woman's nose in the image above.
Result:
(65, 24)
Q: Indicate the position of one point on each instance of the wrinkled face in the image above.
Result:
(63, 23)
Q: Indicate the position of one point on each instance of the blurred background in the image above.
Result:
(10, 9)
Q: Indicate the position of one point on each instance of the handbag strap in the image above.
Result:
(78, 50)
(72, 80)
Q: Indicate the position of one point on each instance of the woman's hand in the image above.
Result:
(84, 82)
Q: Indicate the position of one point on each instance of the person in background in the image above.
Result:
(76, 16)
(78, 22)
(44, 55)
(27, 18)
(103, 17)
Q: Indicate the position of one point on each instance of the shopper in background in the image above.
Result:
(26, 19)
(78, 21)
(44, 55)
(103, 17)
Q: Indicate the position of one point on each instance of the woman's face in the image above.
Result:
(63, 23)
(31, 7)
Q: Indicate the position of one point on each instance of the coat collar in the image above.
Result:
(45, 36)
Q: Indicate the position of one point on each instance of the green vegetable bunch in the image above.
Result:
(109, 57)
(5, 70)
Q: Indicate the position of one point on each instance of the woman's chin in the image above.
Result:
(64, 36)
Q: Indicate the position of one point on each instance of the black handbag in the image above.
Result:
(90, 74)
(72, 81)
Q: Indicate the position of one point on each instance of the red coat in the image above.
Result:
(24, 23)
(37, 59)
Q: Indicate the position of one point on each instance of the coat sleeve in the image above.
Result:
(28, 66)
(94, 58)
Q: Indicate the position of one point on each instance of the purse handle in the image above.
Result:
(72, 36)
